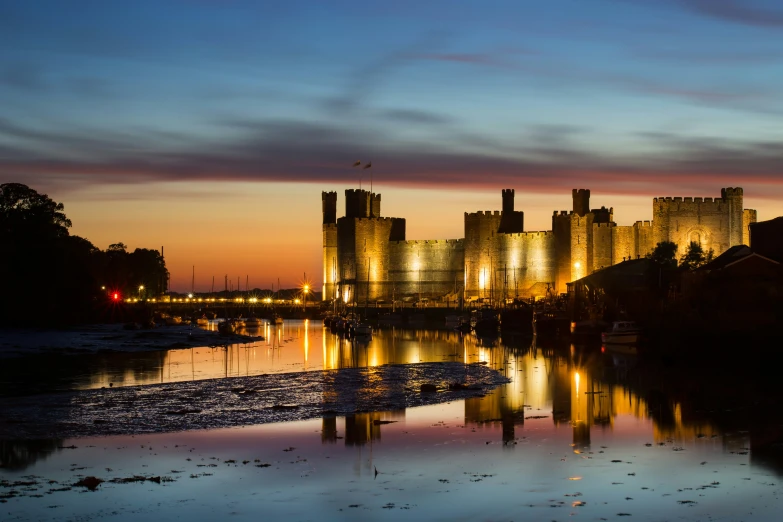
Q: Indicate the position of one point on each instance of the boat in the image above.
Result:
(464, 326)
(485, 321)
(622, 332)
(173, 320)
(202, 321)
(277, 320)
(227, 327)
(550, 323)
(363, 330)
(253, 322)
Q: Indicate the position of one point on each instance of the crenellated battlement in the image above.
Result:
(643, 224)
(428, 242)
(376, 219)
(673, 205)
(483, 213)
(605, 225)
(537, 233)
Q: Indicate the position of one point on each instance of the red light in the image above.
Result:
(116, 296)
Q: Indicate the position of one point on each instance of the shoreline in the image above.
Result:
(240, 401)
(97, 338)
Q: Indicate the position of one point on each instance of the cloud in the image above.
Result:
(751, 58)
(416, 117)
(736, 11)
(322, 154)
(468, 58)
(22, 76)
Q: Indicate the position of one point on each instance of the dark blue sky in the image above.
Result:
(634, 95)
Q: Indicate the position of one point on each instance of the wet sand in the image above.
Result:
(241, 401)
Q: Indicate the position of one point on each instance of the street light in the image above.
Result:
(141, 289)
(305, 291)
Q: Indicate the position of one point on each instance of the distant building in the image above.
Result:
(367, 258)
(765, 238)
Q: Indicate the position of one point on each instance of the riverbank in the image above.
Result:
(238, 401)
(108, 338)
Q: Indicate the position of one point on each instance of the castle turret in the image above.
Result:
(512, 221)
(581, 199)
(357, 203)
(508, 200)
(733, 197)
(329, 207)
(375, 205)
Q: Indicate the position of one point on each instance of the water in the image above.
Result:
(576, 433)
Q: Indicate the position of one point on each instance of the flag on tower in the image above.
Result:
(357, 163)
(367, 166)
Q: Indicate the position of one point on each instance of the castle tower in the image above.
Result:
(733, 198)
(512, 221)
(330, 261)
(357, 203)
(375, 205)
(508, 201)
(581, 199)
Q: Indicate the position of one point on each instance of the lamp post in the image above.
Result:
(141, 289)
(305, 291)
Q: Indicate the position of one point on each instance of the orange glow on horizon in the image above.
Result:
(266, 231)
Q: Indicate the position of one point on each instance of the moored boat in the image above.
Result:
(362, 329)
(253, 322)
(227, 327)
(173, 320)
(486, 321)
(622, 332)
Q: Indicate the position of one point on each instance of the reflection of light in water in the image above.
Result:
(306, 340)
(536, 380)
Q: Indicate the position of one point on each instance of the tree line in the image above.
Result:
(51, 277)
(665, 253)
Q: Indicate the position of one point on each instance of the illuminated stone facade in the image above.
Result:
(366, 257)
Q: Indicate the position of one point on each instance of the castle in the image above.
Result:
(366, 257)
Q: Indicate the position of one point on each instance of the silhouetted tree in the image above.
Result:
(51, 277)
(695, 256)
(24, 213)
(665, 253)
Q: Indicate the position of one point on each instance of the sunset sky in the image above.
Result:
(210, 127)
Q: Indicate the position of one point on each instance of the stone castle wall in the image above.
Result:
(366, 257)
(481, 255)
(602, 245)
(524, 265)
(710, 222)
(749, 216)
(363, 251)
(561, 228)
(425, 269)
